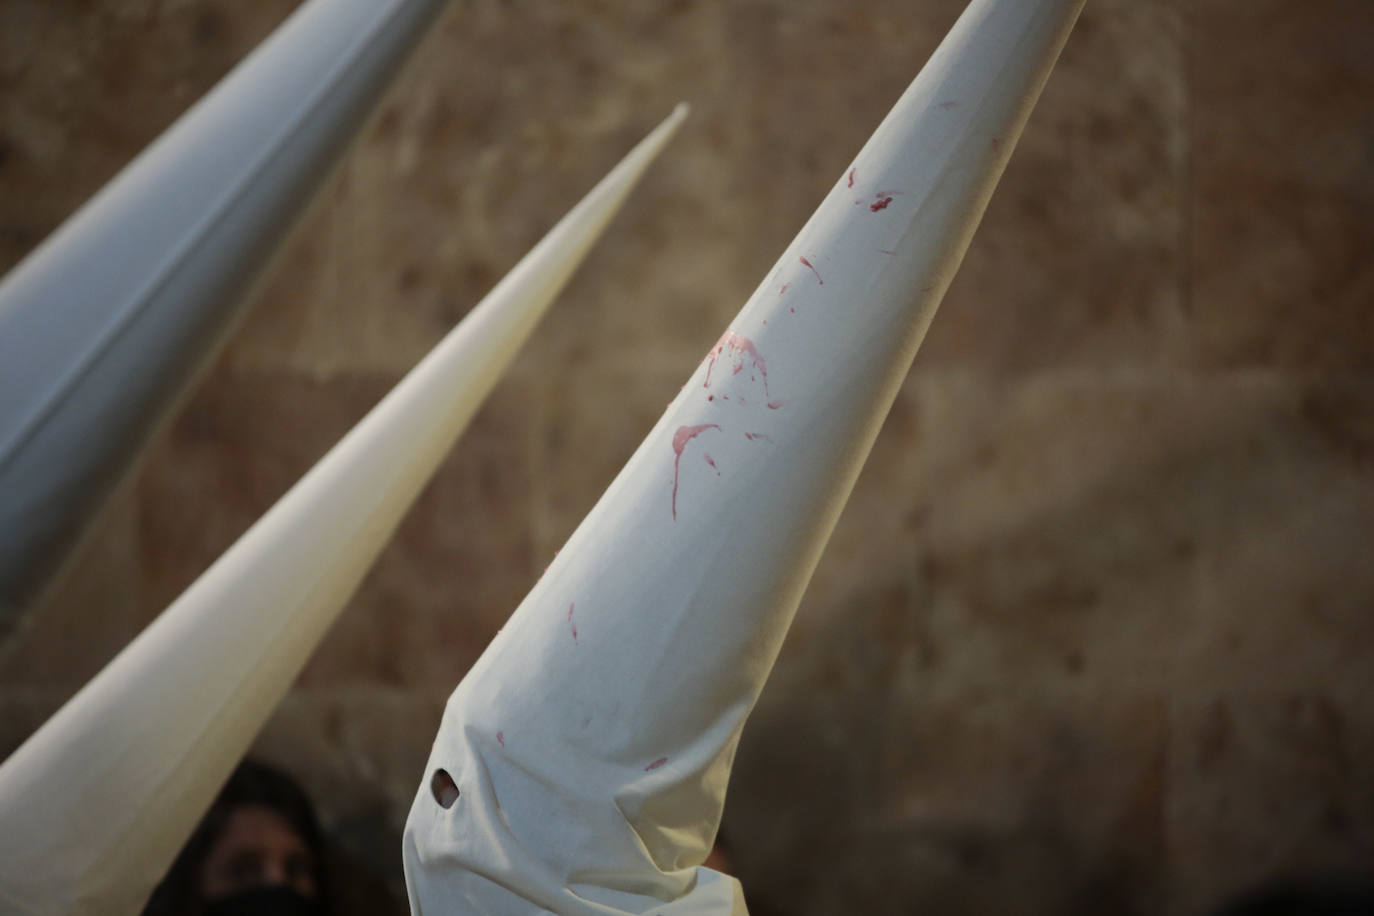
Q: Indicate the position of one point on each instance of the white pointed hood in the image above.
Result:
(107, 322)
(590, 746)
(98, 802)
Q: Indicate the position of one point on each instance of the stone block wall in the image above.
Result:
(1096, 631)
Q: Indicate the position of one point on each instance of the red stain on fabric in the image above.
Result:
(711, 461)
(656, 764)
(774, 405)
(501, 738)
(754, 437)
(784, 288)
(807, 265)
(742, 348)
(572, 623)
(851, 178)
(880, 204)
(683, 435)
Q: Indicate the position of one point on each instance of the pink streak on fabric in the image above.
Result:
(851, 178)
(711, 461)
(753, 437)
(683, 435)
(572, 623)
(656, 764)
(807, 264)
(774, 405)
(744, 347)
(501, 738)
(784, 288)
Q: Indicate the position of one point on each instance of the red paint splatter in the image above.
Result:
(774, 405)
(791, 308)
(784, 288)
(710, 397)
(711, 461)
(742, 346)
(807, 265)
(683, 435)
(572, 623)
(880, 204)
(754, 437)
(501, 738)
(851, 178)
(656, 764)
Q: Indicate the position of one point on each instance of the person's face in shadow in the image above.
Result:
(258, 849)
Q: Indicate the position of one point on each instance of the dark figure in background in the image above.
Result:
(259, 850)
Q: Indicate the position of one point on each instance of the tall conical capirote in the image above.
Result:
(581, 764)
(97, 802)
(105, 325)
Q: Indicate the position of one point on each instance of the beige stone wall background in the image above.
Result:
(1096, 632)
